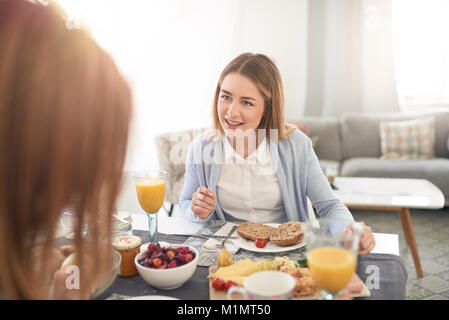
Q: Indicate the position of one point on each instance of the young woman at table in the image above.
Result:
(64, 117)
(253, 166)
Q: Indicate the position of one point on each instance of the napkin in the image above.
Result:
(209, 245)
(168, 225)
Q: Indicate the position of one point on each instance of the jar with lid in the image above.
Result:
(128, 247)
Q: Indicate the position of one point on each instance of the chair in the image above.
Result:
(172, 150)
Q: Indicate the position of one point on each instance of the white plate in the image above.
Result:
(270, 247)
(152, 298)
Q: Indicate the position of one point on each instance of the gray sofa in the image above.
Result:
(353, 141)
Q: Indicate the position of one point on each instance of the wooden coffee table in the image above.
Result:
(390, 194)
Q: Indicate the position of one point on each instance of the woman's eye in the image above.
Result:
(247, 103)
(225, 97)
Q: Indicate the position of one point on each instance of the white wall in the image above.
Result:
(277, 28)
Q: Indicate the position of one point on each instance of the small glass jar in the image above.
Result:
(128, 247)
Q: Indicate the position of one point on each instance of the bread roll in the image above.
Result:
(52, 261)
(73, 259)
(45, 267)
(254, 230)
(67, 250)
(287, 234)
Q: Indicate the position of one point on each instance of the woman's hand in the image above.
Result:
(367, 242)
(203, 202)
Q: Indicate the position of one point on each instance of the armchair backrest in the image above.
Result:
(172, 150)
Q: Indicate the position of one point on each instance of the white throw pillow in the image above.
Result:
(409, 139)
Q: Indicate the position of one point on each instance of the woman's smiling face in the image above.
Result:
(240, 104)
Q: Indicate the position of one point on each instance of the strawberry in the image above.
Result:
(218, 284)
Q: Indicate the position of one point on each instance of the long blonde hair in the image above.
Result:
(64, 117)
(266, 76)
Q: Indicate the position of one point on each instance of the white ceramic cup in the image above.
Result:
(265, 285)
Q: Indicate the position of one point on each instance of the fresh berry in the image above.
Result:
(162, 257)
(218, 284)
(260, 243)
(151, 247)
(157, 262)
(185, 250)
(229, 284)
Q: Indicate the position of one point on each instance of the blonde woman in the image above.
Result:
(64, 117)
(254, 166)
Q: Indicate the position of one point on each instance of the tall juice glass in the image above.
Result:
(150, 188)
(332, 247)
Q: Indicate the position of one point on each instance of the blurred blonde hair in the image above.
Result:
(64, 117)
(266, 76)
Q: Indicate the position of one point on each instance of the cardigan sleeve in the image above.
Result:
(322, 196)
(191, 184)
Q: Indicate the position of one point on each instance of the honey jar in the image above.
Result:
(128, 247)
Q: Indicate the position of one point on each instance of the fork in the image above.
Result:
(221, 245)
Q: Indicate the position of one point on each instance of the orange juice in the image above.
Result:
(151, 193)
(331, 267)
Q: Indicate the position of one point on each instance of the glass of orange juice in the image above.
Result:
(332, 247)
(150, 188)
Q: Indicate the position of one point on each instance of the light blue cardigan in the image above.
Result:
(298, 172)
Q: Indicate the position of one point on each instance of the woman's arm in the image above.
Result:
(191, 185)
(321, 195)
(328, 206)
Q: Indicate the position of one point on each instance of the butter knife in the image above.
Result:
(221, 245)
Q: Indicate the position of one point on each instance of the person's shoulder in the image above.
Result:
(297, 138)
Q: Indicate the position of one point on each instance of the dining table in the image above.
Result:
(384, 274)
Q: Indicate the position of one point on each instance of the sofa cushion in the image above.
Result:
(306, 130)
(435, 170)
(361, 134)
(327, 145)
(301, 126)
(408, 139)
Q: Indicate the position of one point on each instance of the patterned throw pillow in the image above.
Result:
(302, 126)
(410, 139)
(306, 130)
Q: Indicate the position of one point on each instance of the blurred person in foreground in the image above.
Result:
(64, 118)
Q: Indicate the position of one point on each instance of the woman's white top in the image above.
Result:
(248, 189)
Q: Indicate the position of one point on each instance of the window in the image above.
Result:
(421, 52)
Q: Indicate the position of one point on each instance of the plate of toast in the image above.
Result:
(279, 237)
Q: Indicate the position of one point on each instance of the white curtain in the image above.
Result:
(350, 58)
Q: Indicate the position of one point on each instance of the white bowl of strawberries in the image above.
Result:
(167, 267)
